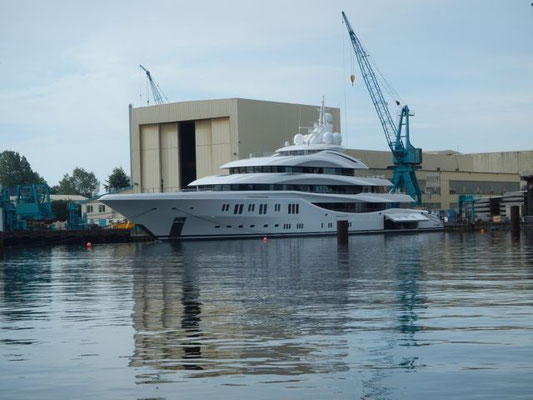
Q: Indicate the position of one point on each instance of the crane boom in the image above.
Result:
(406, 158)
(157, 92)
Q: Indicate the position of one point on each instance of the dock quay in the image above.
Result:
(526, 224)
(57, 237)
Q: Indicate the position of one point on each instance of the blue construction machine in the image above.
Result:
(32, 208)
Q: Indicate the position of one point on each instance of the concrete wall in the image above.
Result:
(265, 126)
(213, 145)
(509, 161)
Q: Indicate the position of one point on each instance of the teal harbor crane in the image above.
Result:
(75, 222)
(405, 157)
(157, 92)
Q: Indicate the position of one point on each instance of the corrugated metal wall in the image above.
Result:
(204, 148)
(169, 157)
(213, 146)
(150, 158)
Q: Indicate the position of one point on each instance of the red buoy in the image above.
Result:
(265, 239)
(89, 245)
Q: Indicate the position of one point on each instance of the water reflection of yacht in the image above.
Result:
(186, 319)
(303, 189)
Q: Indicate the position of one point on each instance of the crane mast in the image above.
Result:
(406, 158)
(157, 93)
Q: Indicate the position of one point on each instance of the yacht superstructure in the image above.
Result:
(303, 189)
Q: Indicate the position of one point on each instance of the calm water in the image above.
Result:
(392, 317)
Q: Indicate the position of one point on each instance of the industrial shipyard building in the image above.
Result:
(174, 144)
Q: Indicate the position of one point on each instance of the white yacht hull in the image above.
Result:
(209, 215)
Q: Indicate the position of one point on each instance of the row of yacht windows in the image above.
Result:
(285, 226)
(283, 168)
(360, 207)
(292, 208)
(338, 189)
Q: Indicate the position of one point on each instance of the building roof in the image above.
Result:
(68, 197)
(60, 197)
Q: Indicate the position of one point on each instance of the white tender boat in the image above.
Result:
(303, 189)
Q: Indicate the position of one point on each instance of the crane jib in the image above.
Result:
(406, 158)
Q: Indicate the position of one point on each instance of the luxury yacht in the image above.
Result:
(302, 189)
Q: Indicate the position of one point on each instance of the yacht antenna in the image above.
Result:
(321, 116)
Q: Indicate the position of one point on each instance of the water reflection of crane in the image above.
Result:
(409, 302)
(394, 302)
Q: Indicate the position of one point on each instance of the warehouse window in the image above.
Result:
(89, 209)
(101, 208)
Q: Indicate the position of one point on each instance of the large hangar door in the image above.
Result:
(187, 152)
(168, 134)
(213, 146)
(220, 128)
(150, 170)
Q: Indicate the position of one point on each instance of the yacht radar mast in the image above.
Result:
(321, 132)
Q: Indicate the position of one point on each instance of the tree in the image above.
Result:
(16, 170)
(117, 180)
(81, 182)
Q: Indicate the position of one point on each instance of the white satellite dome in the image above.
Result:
(298, 138)
(328, 118)
(337, 138)
(328, 138)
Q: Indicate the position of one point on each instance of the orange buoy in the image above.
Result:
(482, 231)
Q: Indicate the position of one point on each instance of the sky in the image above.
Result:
(69, 69)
